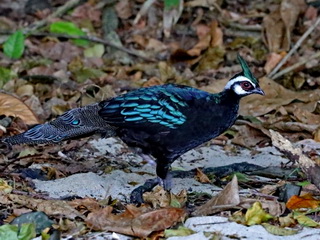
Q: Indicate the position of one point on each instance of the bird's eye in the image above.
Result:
(246, 86)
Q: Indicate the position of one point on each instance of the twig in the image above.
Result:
(294, 49)
(97, 40)
(242, 33)
(88, 38)
(33, 195)
(60, 11)
(296, 65)
(256, 27)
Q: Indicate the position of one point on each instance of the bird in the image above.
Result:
(162, 121)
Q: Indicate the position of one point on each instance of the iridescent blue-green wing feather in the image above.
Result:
(161, 105)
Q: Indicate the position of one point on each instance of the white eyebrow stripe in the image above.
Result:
(238, 79)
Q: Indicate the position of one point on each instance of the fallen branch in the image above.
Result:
(294, 49)
(309, 167)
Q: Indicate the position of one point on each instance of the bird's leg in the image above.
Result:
(164, 179)
(167, 182)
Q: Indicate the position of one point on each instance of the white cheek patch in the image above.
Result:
(237, 80)
(239, 91)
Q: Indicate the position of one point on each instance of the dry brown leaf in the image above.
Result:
(289, 11)
(89, 204)
(226, 199)
(25, 90)
(305, 116)
(201, 177)
(156, 45)
(249, 135)
(139, 222)
(157, 198)
(42, 70)
(124, 9)
(200, 46)
(317, 135)
(157, 220)
(208, 37)
(305, 201)
(274, 30)
(12, 106)
(87, 11)
(271, 189)
(216, 35)
(276, 96)
(50, 207)
(58, 50)
(272, 60)
(287, 221)
(152, 82)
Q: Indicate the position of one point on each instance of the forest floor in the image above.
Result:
(262, 176)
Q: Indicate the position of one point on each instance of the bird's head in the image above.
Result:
(244, 83)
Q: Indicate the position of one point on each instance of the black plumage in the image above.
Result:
(163, 121)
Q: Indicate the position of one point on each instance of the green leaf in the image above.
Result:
(5, 75)
(27, 231)
(96, 50)
(14, 45)
(9, 232)
(241, 177)
(252, 119)
(69, 28)
(303, 184)
(169, 4)
(304, 220)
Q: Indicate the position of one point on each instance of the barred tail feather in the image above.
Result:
(75, 123)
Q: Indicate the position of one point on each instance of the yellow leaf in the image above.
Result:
(181, 231)
(4, 186)
(256, 215)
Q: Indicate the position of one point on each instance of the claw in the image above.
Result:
(136, 195)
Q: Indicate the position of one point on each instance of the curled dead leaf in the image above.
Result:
(12, 106)
(201, 177)
(226, 199)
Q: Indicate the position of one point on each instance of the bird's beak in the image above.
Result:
(258, 91)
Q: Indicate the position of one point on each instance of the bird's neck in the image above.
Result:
(226, 97)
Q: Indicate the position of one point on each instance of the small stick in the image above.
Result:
(294, 49)
(296, 65)
(60, 11)
(88, 38)
(97, 40)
